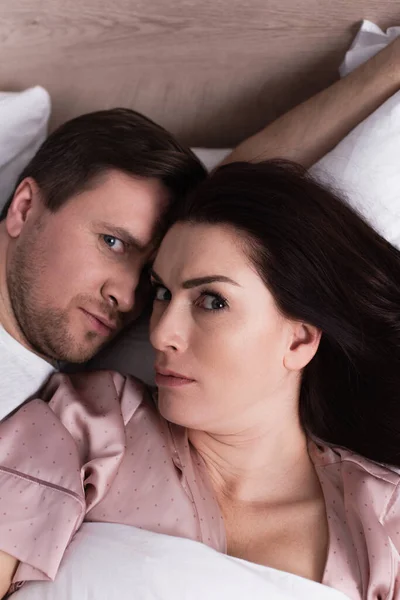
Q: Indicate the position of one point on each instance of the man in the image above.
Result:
(84, 217)
(75, 237)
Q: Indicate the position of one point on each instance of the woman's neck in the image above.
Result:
(269, 464)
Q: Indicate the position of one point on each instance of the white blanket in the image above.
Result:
(118, 562)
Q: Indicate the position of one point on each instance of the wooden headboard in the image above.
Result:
(211, 71)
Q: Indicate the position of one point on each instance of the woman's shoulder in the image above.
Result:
(362, 500)
(359, 480)
(335, 458)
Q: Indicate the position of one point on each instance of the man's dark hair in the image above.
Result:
(120, 139)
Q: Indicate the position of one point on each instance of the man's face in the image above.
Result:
(72, 275)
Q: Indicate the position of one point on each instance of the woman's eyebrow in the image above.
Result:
(197, 281)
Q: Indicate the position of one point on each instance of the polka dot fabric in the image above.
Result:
(94, 448)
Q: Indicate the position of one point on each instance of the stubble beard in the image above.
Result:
(45, 328)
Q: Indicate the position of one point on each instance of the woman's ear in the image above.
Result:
(303, 346)
(25, 198)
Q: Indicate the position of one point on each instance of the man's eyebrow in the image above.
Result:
(123, 234)
(197, 281)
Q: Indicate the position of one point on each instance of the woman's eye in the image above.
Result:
(212, 302)
(161, 293)
(114, 243)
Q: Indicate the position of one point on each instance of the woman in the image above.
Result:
(277, 336)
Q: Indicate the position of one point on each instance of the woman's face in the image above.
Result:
(224, 353)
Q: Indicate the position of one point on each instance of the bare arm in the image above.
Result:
(8, 566)
(309, 131)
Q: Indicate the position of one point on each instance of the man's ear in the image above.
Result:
(304, 344)
(25, 200)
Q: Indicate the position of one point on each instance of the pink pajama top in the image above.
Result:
(95, 448)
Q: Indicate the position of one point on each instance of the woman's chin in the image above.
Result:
(176, 409)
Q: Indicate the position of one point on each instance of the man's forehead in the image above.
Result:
(129, 208)
(142, 187)
(113, 188)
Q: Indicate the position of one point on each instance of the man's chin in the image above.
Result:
(82, 354)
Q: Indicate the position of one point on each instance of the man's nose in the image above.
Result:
(120, 289)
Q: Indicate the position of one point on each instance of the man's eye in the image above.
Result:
(161, 294)
(114, 243)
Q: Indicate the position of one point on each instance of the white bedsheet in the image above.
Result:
(118, 562)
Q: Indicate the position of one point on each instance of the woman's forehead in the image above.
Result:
(191, 251)
(201, 244)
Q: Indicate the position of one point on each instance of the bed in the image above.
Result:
(212, 71)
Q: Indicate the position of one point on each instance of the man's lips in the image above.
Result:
(168, 378)
(100, 323)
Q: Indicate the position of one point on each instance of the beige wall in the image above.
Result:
(212, 71)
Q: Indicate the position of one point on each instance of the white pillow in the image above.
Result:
(365, 165)
(23, 127)
(106, 561)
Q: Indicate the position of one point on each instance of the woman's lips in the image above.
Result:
(167, 378)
